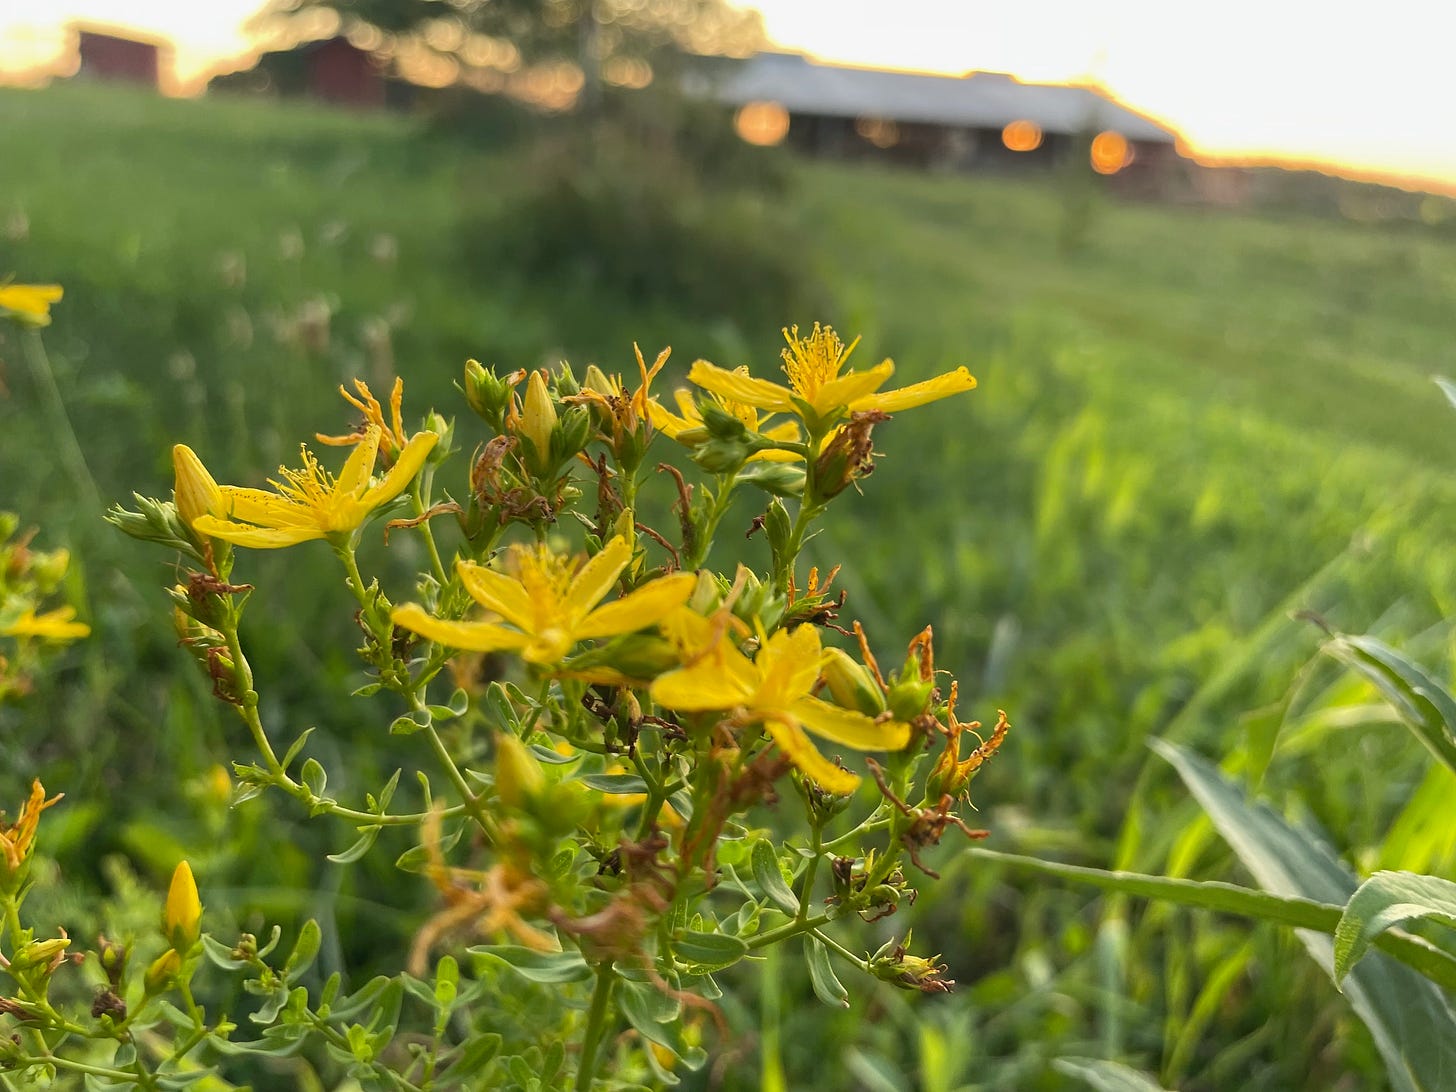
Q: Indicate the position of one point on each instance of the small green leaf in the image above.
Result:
(1384, 900)
(765, 864)
(478, 1053)
(368, 690)
(407, 723)
(305, 951)
(826, 983)
(358, 849)
(386, 794)
(294, 748)
(549, 968)
(315, 778)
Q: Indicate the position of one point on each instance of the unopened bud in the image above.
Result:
(182, 917)
(487, 394)
(194, 490)
(518, 773)
(163, 971)
(538, 417)
(851, 684)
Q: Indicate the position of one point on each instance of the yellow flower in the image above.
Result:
(775, 689)
(689, 428)
(30, 303)
(550, 604)
(53, 625)
(627, 409)
(17, 839)
(311, 503)
(392, 439)
(182, 917)
(817, 392)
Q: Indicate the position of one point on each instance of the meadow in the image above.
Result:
(1188, 429)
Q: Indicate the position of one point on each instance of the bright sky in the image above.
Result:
(1362, 86)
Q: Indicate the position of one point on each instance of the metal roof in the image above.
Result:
(979, 100)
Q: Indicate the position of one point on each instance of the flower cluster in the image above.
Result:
(648, 708)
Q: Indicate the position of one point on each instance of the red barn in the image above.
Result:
(341, 72)
(109, 56)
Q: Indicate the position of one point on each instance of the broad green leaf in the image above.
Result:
(1107, 1076)
(1423, 703)
(765, 864)
(708, 951)
(1384, 900)
(1300, 913)
(478, 1053)
(1408, 1016)
(615, 784)
(827, 986)
(549, 968)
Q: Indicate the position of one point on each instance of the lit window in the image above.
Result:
(762, 123)
(1110, 152)
(880, 132)
(1022, 136)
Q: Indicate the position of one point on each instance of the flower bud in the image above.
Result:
(487, 394)
(538, 417)
(163, 971)
(194, 491)
(42, 956)
(851, 684)
(113, 960)
(182, 917)
(518, 773)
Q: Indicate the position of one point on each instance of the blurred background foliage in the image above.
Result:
(1189, 425)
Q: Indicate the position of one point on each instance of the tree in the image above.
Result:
(618, 42)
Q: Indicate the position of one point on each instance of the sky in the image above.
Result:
(1362, 87)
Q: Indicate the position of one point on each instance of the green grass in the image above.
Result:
(1194, 423)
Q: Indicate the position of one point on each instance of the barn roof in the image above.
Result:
(978, 100)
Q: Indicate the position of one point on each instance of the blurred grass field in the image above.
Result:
(1191, 425)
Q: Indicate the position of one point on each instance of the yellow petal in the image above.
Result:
(254, 538)
(850, 387)
(498, 592)
(638, 609)
(353, 480)
(54, 625)
(849, 728)
(402, 472)
(266, 509)
(789, 665)
(592, 582)
(699, 688)
(918, 394)
(797, 748)
(469, 636)
(741, 388)
(667, 422)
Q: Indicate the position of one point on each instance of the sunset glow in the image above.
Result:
(1292, 80)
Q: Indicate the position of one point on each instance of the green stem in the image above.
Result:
(722, 497)
(810, 871)
(469, 800)
(596, 1022)
(791, 929)
(417, 495)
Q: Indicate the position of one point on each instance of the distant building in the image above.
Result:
(331, 69)
(107, 55)
(985, 120)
